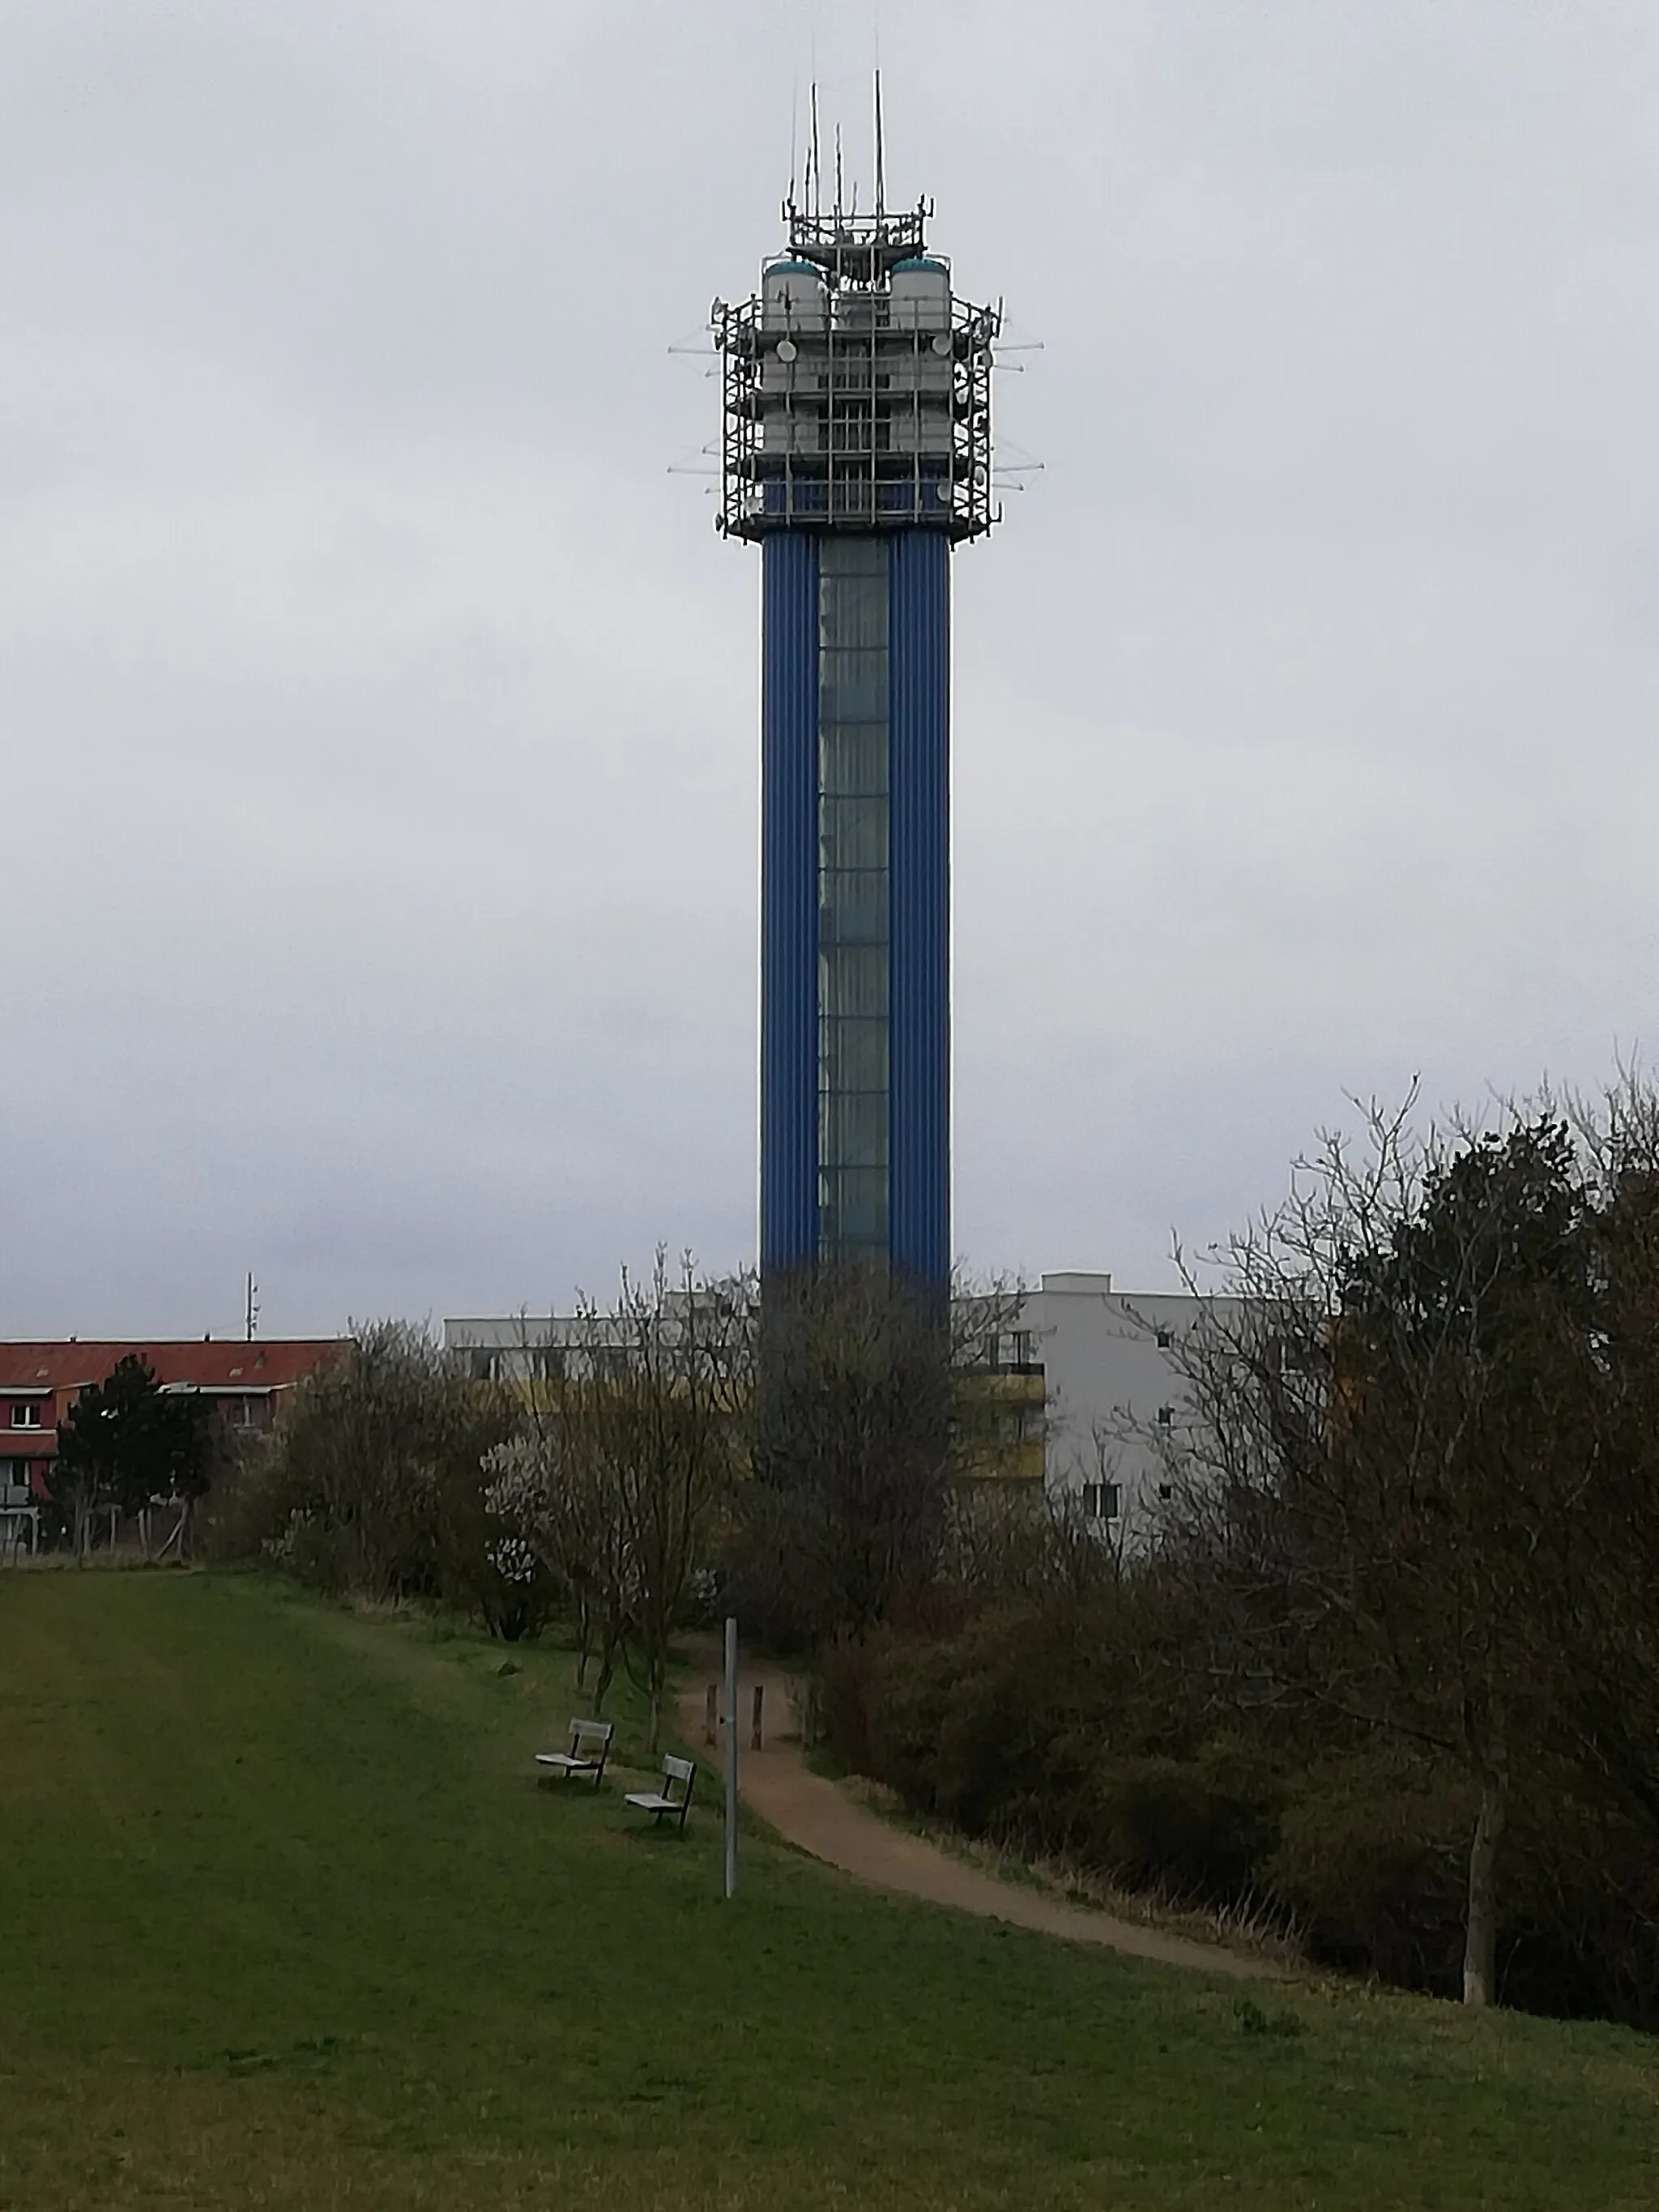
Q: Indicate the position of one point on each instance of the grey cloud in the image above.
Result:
(378, 713)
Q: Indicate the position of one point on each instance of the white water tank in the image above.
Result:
(792, 297)
(921, 295)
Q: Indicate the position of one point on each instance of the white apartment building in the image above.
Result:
(1102, 1365)
(1113, 1390)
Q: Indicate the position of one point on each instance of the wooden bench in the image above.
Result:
(678, 1777)
(590, 1747)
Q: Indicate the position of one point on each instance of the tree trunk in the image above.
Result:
(603, 1679)
(1481, 1935)
(654, 1726)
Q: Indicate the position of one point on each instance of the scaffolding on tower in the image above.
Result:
(856, 386)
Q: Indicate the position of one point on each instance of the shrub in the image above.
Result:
(373, 1485)
(1369, 1858)
(1198, 1828)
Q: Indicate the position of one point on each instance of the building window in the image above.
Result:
(1165, 1339)
(1013, 1352)
(1166, 1491)
(1102, 1501)
(853, 922)
(1166, 1417)
(25, 1414)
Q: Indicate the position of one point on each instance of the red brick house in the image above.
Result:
(38, 1384)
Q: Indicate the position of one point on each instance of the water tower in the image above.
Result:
(856, 450)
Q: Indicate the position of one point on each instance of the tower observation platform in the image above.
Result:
(856, 448)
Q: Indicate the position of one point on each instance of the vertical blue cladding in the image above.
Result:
(854, 980)
(919, 635)
(789, 943)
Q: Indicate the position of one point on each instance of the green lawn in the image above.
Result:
(284, 1922)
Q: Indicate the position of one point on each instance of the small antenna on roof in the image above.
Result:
(838, 176)
(881, 156)
(815, 192)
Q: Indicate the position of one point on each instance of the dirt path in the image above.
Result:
(819, 1819)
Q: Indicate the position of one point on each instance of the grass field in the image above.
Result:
(284, 1922)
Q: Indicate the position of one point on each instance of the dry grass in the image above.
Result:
(1248, 1927)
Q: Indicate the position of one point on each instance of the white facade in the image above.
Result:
(510, 1347)
(1112, 1387)
(1111, 1382)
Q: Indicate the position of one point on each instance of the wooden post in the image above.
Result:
(730, 1755)
(711, 1714)
(755, 1733)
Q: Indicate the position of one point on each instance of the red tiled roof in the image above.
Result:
(220, 1364)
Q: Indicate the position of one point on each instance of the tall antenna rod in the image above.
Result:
(881, 158)
(815, 192)
(838, 176)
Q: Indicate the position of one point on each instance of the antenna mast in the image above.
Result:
(881, 158)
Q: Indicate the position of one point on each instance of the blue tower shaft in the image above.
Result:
(855, 901)
(920, 691)
(789, 924)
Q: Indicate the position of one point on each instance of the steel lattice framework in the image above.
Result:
(845, 406)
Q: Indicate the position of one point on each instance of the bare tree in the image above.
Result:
(630, 1453)
(874, 1395)
(1396, 1423)
(374, 1473)
(556, 1496)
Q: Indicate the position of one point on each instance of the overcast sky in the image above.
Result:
(378, 712)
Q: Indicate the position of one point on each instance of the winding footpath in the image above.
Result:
(819, 1819)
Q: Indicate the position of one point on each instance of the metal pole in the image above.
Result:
(730, 1755)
